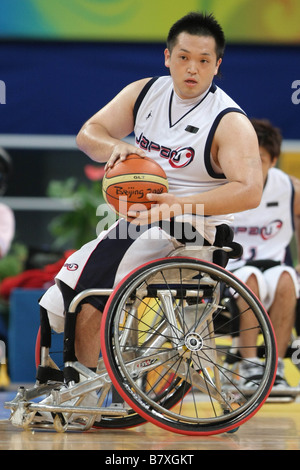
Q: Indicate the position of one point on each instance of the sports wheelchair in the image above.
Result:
(169, 353)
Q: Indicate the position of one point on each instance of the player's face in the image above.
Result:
(266, 161)
(193, 64)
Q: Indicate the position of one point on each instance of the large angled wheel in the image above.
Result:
(169, 343)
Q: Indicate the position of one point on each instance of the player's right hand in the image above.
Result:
(120, 152)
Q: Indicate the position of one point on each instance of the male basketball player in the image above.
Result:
(200, 137)
(265, 233)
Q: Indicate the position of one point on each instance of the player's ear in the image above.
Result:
(274, 162)
(217, 66)
(167, 57)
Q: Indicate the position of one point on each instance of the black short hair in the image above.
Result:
(269, 137)
(198, 24)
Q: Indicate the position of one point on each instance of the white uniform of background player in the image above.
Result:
(265, 233)
(178, 135)
(7, 218)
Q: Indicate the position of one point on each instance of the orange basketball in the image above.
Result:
(125, 186)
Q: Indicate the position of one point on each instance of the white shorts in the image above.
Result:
(53, 302)
(267, 281)
(105, 261)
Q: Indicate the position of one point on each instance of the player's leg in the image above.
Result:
(87, 336)
(283, 307)
(283, 288)
(248, 330)
(250, 366)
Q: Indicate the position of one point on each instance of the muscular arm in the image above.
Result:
(235, 151)
(101, 136)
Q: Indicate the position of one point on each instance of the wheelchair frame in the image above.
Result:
(123, 358)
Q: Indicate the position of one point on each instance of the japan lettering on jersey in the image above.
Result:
(266, 231)
(182, 148)
(177, 158)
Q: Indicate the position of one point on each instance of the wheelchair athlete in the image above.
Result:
(265, 234)
(203, 141)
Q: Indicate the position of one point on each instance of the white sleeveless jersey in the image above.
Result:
(266, 231)
(182, 148)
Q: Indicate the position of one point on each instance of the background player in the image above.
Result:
(265, 233)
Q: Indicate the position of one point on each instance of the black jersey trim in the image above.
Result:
(212, 89)
(292, 205)
(142, 96)
(209, 140)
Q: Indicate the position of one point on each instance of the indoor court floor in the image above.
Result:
(276, 426)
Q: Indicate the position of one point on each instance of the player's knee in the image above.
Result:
(252, 282)
(286, 284)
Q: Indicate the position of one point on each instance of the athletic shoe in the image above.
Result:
(281, 385)
(251, 372)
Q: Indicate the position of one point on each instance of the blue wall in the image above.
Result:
(53, 87)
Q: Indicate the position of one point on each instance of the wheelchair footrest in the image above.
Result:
(284, 394)
(30, 415)
(281, 399)
(109, 410)
(45, 374)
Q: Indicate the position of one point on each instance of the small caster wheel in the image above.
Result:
(59, 422)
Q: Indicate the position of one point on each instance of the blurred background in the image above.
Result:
(62, 60)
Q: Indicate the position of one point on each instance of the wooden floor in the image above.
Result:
(274, 427)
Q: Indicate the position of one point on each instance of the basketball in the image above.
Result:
(125, 186)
